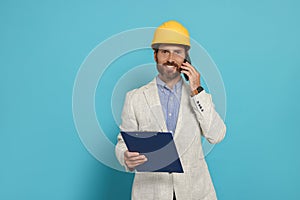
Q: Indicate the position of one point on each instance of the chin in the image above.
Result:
(172, 76)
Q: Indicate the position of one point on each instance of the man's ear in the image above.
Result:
(155, 56)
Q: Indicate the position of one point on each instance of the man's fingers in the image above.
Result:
(136, 162)
(131, 154)
(189, 67)
(128, 153)
(136, 158)
(186, 72)
(133, 164)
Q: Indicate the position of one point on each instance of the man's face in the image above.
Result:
(169, 59)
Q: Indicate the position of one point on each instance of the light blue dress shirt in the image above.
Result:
(170, 102)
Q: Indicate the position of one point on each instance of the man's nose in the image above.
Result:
(171, 57)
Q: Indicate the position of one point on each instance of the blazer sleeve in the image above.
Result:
(129, 123)
(212, 126)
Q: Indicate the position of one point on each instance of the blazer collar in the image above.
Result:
(152, 98)
(182, 109)
(180, 138)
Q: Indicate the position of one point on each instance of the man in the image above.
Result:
(169, 103)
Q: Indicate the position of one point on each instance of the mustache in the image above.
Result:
(171, 64)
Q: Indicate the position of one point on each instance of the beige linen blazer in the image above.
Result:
(142, 111)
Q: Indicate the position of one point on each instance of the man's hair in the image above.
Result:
(155, 47)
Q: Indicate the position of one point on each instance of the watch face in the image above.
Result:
(199, 89)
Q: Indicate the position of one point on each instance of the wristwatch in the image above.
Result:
(197, 91)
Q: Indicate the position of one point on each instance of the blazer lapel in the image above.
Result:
(152, 98)
(183, 102)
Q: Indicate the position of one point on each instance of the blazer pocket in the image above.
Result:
(147, 124)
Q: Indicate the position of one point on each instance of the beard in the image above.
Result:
(168, 70)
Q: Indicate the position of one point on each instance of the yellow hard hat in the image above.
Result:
(171, 32)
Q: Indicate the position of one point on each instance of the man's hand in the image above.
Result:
(193, 74)
(133, 159)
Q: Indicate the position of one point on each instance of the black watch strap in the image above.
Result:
(197, 91)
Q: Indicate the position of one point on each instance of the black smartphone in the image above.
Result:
(188, 60)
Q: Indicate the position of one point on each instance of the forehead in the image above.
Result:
(173, 47)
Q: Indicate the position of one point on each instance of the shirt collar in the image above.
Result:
(162, 84)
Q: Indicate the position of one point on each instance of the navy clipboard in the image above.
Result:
(158, 147)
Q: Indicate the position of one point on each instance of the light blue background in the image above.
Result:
(43, 43)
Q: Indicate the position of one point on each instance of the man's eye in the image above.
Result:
(164, 51)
